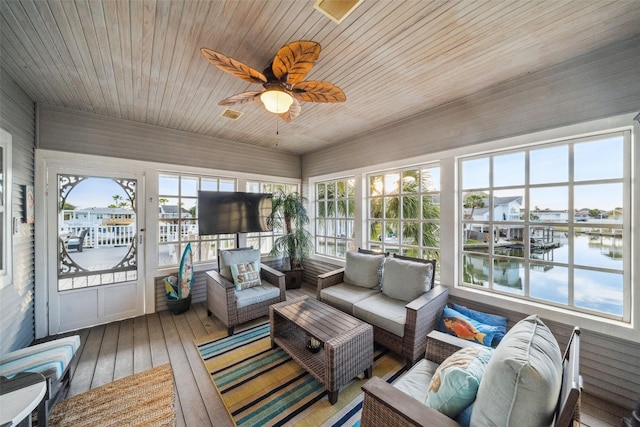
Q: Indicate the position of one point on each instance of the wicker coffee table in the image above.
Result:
(345, 343)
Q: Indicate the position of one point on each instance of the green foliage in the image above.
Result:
(289, 214)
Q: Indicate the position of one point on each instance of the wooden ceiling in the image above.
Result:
(140, 60)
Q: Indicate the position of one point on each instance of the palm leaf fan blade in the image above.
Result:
(316, 91)
(294, 61)
(294, 111)
(233, 66)
(241, 98)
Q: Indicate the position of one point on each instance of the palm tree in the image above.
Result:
(473, 201)
(289, 214)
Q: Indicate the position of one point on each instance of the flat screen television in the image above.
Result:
(224, 212)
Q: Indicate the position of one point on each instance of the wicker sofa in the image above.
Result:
(526, 382)
(399, 300)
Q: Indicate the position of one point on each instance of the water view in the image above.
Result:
(600, 291)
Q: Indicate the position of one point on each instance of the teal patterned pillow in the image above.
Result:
(246, 275)
(455, 383)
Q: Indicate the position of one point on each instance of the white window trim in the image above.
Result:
(449, 221)
(7, 202)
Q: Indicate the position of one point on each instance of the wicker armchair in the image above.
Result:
(223, 299)
(385, 405)
(422, 315)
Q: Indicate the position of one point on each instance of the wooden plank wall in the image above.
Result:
(593, 86)
(86, 133)
(17, 116)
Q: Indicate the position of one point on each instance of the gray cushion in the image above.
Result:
(363, 269)
(521, 383)
(416, 382)
(343, 295)
(256, 294)
(384, 312)
(228, 258)
(406, 280)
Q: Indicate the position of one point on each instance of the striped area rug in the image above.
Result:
(261, 386)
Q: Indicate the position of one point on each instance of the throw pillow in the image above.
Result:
(236, 256)
(363, 270)
(406, 280)
(499, 322)
(459, 325)
(246, 275)
(455, 383)
(521, 383)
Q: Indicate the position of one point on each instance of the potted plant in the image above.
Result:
(290, 215)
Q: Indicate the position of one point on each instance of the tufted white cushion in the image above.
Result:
(406, 280)
(521, 383)
(363, 269)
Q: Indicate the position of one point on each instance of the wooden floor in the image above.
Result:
(112, 351)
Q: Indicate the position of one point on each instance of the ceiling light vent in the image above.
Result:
(231, 114)
(336, 10)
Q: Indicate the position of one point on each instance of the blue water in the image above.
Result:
(593, 290)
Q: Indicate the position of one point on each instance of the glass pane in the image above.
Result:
(341, 229)
(209, 184)
(410, 207)
(320, 245)
(392, 183)
(508, 170)
(351, 187)
(411, 233)
(331, 190)
(431, 207)
(341, 189)
(188, 208)
(410, 181)
(508, 275)
(341, 248)
(375, 207)
(342, 208)
(475, 270)
(602, 159)
(322, 209)
(321, 190)
(392, 207)
(189, 186)
(391, 232)
(227, 185)
(549, 243)
(331, 247)
(602, 201)
(476, 206)
(475, 173)
(320, 227)
(375, 231)
(549, 204)
(431, 179)
(508, 205)
(549, 165)
(376, 185)
(549, 283)
(168, 185)
(598, 247)
(598, 291)
(430, 235)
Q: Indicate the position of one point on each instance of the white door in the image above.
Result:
(95, 226)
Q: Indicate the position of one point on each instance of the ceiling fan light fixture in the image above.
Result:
(276, 100)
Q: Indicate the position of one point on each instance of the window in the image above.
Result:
(265, 240)
(178, 221)
(546, 223)
(335, 217)
(403, 212)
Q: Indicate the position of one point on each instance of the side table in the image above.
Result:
(19, 396)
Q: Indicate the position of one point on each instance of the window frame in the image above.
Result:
(349, 242)
(527, 222)
(221, 241)
(6, 269)
(419, 249)
(264, 240)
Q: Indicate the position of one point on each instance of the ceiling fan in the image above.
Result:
(283, 79)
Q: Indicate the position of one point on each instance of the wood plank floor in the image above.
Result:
(118, 349)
